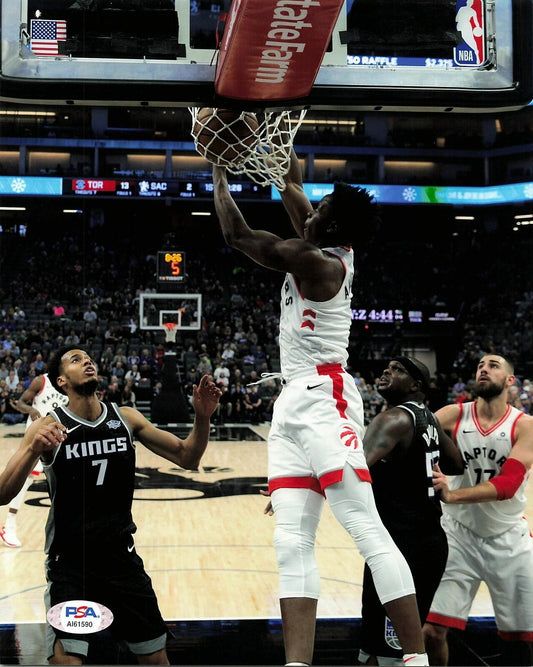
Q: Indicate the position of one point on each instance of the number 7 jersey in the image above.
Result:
(91, 481)
(484, 452)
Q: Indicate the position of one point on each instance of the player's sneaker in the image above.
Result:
(9, 537)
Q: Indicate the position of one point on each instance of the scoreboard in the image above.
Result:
(155, 188)
(405, 316)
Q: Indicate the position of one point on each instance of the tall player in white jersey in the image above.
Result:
(36, 401)
(488, 537)
(315, 447)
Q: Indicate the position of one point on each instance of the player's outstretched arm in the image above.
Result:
(43, 436)
(292, 255)
(293, 196)
(24, 403)
(506, 483)
(186, 453)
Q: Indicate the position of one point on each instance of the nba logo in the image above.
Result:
(391, 638)
(470, 52)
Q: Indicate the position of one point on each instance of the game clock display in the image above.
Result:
(374, 315)
(171, 266)
(395, 315)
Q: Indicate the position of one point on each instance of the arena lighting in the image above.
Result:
(464, 217)
(12, 208)
(201, 213)
(37, 114)
(72, 210)
(525, 216)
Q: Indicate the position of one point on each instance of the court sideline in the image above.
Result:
(207, 545)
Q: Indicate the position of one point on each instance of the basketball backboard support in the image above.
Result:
(412, 55)
(155, 310)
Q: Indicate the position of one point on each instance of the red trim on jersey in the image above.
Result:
(446, 621)
(334, 254)
(458, 422)
(516, 636)
(35, 472)
(326, 252)
(309, 482)
(492, 428)
(329, 478)
(43, 386)
(335, 476)
(336, 373)
(297, 285)
(513, 429)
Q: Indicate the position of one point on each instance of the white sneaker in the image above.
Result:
(9, 537)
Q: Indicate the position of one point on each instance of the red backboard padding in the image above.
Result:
(272, 49)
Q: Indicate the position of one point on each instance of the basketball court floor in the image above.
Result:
(207, 545)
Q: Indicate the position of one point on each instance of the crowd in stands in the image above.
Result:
(91, 297)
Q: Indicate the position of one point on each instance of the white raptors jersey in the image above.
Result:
(47, 399)
(484, 453)
(315, 332)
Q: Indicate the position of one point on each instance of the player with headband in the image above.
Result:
(315, 449)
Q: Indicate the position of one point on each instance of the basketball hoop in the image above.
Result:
(270, 158)
(171, 329)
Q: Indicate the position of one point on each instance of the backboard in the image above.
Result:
(439, 55)
(157, 309)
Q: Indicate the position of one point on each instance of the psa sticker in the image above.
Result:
(79, 617)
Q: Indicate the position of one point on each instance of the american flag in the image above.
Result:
(45, 36)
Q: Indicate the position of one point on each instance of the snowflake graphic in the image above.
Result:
(528, 190)
(409, 194)
(18, 185)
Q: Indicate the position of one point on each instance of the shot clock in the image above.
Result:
(171, 267)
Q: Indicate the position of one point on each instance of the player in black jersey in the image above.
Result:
(88, 454)
(401, 447)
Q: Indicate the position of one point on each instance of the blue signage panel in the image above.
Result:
(429, 194)
(30, 185)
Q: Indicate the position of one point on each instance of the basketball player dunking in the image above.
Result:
(315, 443)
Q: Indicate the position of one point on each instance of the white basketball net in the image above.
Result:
(171, 329)
(268, 159)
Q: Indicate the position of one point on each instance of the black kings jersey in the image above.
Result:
(403, 485)
(91, 481)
